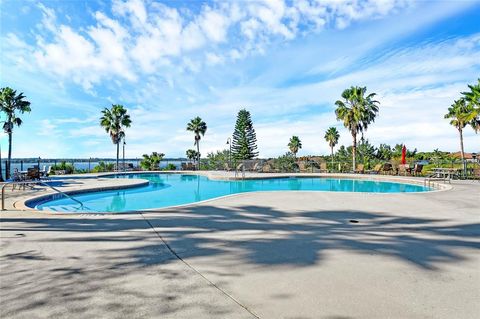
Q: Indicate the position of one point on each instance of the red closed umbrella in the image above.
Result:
(404, 155)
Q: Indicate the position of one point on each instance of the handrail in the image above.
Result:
(36, 182)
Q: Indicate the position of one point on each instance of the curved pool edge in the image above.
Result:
(26, 204)
(133, 183)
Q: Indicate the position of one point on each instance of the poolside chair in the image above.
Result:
(302, 167)
(323, 167)
(45, 174)
(404, 169)
(417, 169)
(360, 169)
(376, 169)
(227, 167)
(240, 167)
(17, 177)
(267, 168)
(387, 168)
(476, 173)
(257, 167)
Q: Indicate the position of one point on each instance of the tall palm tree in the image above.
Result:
(198, 127)
(332, 136)
(10, 103)
(459, 114)
(114, 121)
(473, 98)
(356, 111)
(294, 145)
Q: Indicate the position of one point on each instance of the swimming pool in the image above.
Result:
(166, 190)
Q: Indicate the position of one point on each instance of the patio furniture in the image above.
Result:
(360, 169)
(476, 173)
(417, 169)
(322, 167)
(387, 168)
(302, 167)
(18, 177)
(257, 167)
(227, 167)
(376, 169)
(45, 174)
(404, 169)
(441, 172)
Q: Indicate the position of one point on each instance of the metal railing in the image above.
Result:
(25, 183)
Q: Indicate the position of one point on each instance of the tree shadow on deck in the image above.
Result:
(105, 254)
(266, 236)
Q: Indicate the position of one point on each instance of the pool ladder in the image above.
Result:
(242, 171)
(40, 183)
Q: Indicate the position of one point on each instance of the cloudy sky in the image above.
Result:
(285, 61)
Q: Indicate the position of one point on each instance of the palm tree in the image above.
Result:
(294, 145)
(356, 111)
(10, 103)
(460, 113)
(198, 127)
(473, 99)
(114, 121)
(191, 154)
(332, 136)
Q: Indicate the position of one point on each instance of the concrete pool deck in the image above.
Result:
(264, 255)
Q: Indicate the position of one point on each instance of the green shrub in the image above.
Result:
(63, 166)
(103, 167)
(151, 162)
(285, 163)
(170, 167)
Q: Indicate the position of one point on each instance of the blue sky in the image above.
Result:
(285, 61)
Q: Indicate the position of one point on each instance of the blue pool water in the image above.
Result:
(174, 189)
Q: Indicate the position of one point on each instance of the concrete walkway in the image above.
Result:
(265, 255)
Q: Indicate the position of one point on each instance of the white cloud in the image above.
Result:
(167, 65)
(153, 35)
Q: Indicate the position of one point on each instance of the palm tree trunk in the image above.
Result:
(462, 152)
(198, 155)
(331, 147)
(354, 150)
(118, 150)
(7, 173)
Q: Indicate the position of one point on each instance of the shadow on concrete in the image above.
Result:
(103, 255)
(266, 236)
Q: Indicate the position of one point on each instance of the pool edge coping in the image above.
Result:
(23, 204)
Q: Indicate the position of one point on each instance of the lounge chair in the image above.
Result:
(404, 169)
(417, 170)
(376, 169)
(268, 168)
(227, 167)
(257, 167)
(360, 169)
(323, 167)
(476, 173)
(302, 167)
(17, 177)
(387, 168)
